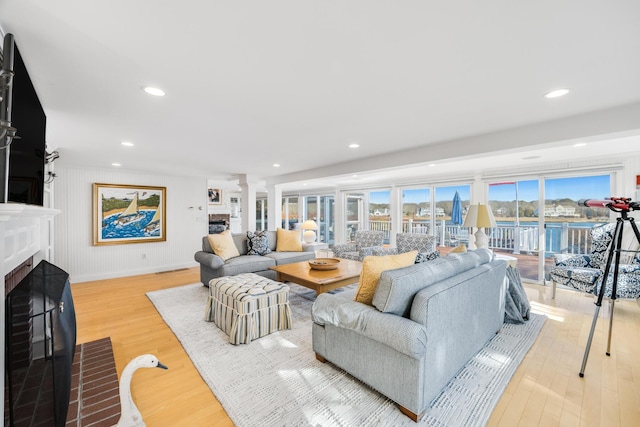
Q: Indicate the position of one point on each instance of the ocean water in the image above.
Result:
(111, 230)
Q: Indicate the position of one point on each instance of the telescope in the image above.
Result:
(621, 205)
(616, 204)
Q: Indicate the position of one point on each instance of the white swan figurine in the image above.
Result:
(129, 414)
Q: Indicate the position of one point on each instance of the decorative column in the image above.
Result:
(396, 214)
(248, 187)
(274, 207)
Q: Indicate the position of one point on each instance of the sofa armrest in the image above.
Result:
(342, 248)
(208, 259)
(380, 251)
(573, 260)
(399, 333)
(368, 251)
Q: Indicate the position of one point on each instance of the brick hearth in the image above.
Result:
(94, 386)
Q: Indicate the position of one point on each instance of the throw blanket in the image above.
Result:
(517, 305)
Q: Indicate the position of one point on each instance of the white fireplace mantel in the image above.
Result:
(25, 231)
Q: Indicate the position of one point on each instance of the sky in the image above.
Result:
(590, 187)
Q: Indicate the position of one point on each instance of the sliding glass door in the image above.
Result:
(354, 215)
(515, 206)
(534, 225)
(326, 220)
(567, 222)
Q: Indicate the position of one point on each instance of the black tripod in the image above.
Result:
(622, 206)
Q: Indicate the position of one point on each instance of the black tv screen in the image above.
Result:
(27, 153)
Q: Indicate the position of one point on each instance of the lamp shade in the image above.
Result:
(479, 216)
(309, 225)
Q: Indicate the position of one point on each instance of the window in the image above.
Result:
(261, 214)
(289, 212)
(448, 228)
(416, 210)
(379, 214)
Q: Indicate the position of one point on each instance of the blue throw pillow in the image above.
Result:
(258, 243)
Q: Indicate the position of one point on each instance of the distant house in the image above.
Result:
(560, 211)
(439, 212)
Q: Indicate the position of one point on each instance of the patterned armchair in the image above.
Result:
(584, 272)
(407, 242)
(364, 240)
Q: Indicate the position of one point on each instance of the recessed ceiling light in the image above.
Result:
(354, 145)
(431, 164)
(276, 165)
(354, 176)
(530, 157)
(116, 164)
(557, 93)
(127, 143)
(580, 144)
(153, 91)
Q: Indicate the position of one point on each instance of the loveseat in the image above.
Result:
(212, 265)
(426, 322)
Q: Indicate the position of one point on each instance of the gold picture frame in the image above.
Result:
(128, 214)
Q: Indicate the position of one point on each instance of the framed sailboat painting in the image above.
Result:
(128, 214)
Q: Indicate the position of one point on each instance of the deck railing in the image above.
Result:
(560, 237)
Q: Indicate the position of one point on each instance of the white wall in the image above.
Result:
(74, 252)
(631, 170)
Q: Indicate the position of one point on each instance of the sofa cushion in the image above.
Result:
(246, 264)
(223, 245)
(289, 257)
(288, 241)
(257, 243)
(373, 266)
(396, 289)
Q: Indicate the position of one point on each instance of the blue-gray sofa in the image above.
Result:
(426, 322)
(212, 266)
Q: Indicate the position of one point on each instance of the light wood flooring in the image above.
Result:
(545, 391)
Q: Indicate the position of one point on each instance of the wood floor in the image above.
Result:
(545, 391)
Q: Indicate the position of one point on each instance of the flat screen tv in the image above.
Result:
(27, 153)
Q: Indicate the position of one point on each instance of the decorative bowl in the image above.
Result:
(324, 263)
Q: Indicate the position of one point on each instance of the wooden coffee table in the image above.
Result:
(348, 272)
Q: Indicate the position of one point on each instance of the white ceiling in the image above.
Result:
(254, 83)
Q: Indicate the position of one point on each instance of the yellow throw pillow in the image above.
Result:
(460, 249)
(288, 240)
(372, 268)
(223, 246)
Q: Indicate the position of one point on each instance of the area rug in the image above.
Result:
(276, 380)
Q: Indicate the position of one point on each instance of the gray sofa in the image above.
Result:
(212, 266)
(426, 322)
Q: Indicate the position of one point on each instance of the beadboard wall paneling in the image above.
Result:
(74, 252)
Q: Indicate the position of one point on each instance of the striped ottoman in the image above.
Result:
(248, 306)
